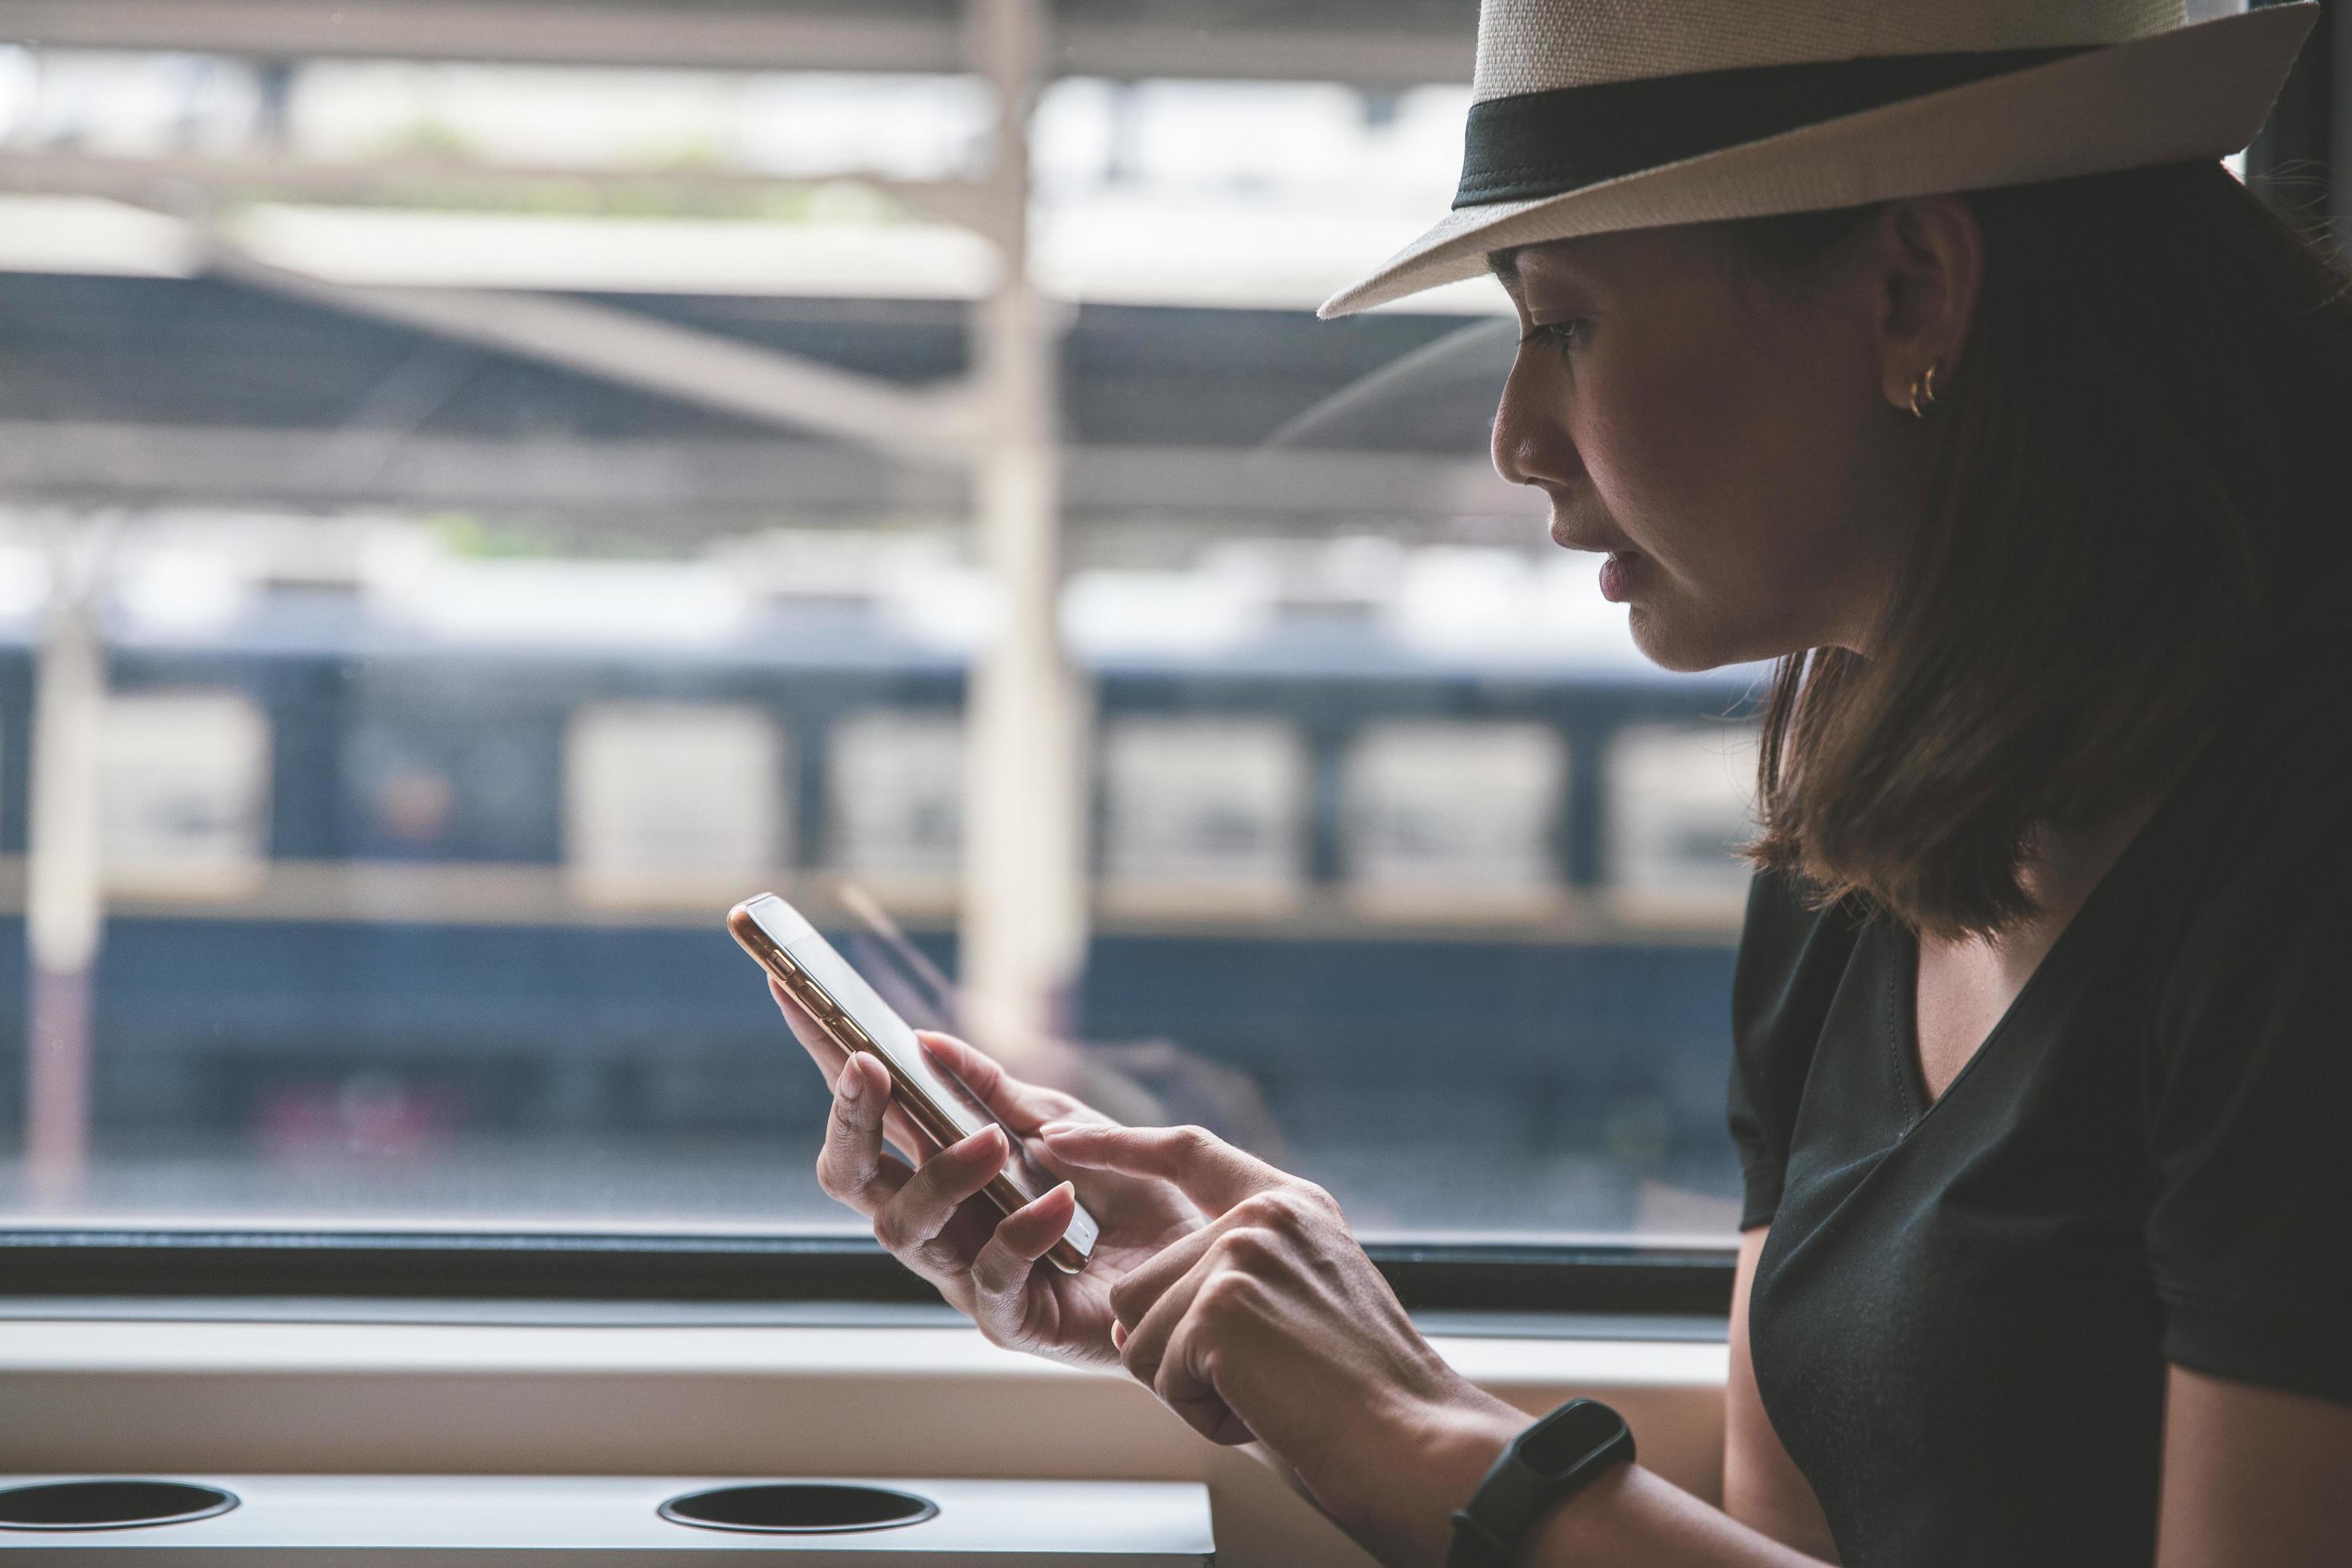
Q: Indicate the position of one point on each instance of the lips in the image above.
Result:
(1620, 575)
(1567, 540)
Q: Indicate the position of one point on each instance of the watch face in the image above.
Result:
(1568, 1436)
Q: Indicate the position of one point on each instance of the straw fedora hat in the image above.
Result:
(1592, 115)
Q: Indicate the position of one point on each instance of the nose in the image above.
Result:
(1530, 445)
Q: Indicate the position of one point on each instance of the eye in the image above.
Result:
(1561, 335)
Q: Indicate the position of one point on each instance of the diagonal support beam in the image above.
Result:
(934, 425)
(918, 425)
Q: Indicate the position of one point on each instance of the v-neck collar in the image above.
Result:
(1903, 969)
(2265, 666)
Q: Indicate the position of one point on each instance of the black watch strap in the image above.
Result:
(1551, 1459)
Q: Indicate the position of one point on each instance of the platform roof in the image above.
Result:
(186, 383)
(131, 390)
(1374, 44)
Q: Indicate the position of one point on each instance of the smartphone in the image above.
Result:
(847, 1009)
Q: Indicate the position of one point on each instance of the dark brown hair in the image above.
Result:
(2141, 455)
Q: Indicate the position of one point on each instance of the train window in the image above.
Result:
(713, 510)
(1207, 812)
(1444, 815)
(1681, 804)
(184, 791)
(894, 793)
(674, 799)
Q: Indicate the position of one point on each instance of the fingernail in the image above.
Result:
(977, 1143)
(1056, 1129)
(853, 1081)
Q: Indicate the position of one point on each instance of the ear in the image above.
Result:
(1931, 269)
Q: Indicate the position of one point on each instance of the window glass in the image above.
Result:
(1203, 812)
(537, 505)
(184, 791)
(894, 787)
(1418, 838)
(1681, 802)
(673, 797)
(447, 775)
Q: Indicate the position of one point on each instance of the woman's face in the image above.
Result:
(1724, 435)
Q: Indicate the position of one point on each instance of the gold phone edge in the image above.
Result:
(918, 1105)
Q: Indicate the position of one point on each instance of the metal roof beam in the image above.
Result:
(545, 32)
(710, 485)
(914, 424)
(163, 182)
(1395, 45)
(1360, 54)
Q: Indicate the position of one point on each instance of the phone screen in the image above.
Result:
(896, 1042)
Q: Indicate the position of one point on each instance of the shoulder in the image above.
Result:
(2249, 1083)
(1794, 952)
(1792, 946)
(2248, 885)
(2263, 838)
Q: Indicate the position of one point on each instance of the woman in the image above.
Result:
(1924, 346)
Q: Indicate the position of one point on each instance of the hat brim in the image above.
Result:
(2195, 93)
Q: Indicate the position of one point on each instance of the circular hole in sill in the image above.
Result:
(109, 1504)
(798, 1507)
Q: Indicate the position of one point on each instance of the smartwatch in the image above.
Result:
(1552, 1459)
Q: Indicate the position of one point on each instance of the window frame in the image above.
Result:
(70, 1264)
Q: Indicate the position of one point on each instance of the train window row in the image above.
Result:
(183, 793)
(1191, 808)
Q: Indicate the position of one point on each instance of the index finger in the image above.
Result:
(1200, 1164)
(1022, 1107)
(809, 1032)
(830, 1060)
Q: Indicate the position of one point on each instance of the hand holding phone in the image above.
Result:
(924, 1213)
(837, 999)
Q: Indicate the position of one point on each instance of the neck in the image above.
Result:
(2061, 869)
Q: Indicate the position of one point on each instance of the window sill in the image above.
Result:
(145, 1394)
(1440, 1322)
(150, 1343)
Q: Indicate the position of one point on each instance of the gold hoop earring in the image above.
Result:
(1923, 392)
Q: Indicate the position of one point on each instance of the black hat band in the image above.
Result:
(1548, 143)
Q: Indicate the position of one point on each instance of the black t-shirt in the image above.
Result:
(1962, 1322)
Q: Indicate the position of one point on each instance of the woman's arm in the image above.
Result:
(1762, 1487)
(1770, 1513)
(1269, 1324)
(2254, 1476)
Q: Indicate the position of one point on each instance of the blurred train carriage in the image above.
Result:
(489, 837)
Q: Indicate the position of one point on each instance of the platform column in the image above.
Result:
(63, 908)
(1025, 900)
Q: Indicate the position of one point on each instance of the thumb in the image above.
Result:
(1197, 1163)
